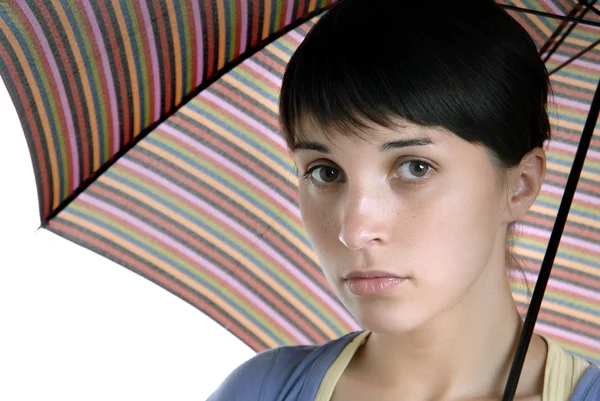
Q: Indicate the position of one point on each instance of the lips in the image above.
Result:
(369, 274)
(372, 282)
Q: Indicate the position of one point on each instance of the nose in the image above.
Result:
(364, 219)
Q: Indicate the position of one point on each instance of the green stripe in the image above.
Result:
(138, 51)
(243, 73)
(246, 247)
(217, 170)
(578, 207)
(101, 115)
(233, 33)
(225, 293)
(562, 251)
(187, 52)
(276, 16)
(54, 120)
(255, 139)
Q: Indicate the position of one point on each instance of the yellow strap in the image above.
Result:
(338, 366)
(561, 375)
(562, 372)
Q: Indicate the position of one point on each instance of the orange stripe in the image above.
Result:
(170, 270)
(158, 277)
(39, 104)
(187, 263)
(225, 93)
(159, 221)
(266, 19)
(535, 20)
(176, 217)
(578, 83)
(280, 54)
(235, 197)
(268, 286)
(222, 29)
(229, 136)
(176, 53)
(583, 268)
(68, 30)
(549, 305)
(227, 78)
(297, 256)
(242, 157)
(135, 88)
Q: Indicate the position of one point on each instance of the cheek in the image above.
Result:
(318, 218)
(453, 232)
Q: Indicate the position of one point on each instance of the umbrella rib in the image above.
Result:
(550, 15)
(575, 57)
(590, 6)
(205, 84)
(578, 8)
(553, 243)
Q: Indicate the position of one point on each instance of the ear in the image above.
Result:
(524, 184)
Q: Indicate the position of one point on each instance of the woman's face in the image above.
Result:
(407, 225)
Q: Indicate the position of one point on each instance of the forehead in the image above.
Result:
(364, 133)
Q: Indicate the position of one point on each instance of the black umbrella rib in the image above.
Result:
(575, 57)
(553, 243)
(590, 7)
(577, 9)
(251, 51)
(550, 15)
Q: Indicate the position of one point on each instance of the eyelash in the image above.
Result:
(307, 176)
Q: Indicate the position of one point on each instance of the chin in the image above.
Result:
(385, 317)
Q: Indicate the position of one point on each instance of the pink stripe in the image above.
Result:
(199, 43)
(272, 135)
(263, 72)
(201, 261)
(244, 32)
(288, 13)
(572, 338)
(571, 103)
(219, 160)
(296, 37)
(563, 286)
(156, 74)
(578, 62)
(588, 246)
(578, 196)
(60, 88)
(550, 4)
(251, 238)
(591, 153)
(110, 83)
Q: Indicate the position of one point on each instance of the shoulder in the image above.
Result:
(249, 380)
(569, 377)
(588, 387)
(267, 375)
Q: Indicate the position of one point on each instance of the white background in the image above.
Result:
(75, 326)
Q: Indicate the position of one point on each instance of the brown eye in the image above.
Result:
(414, 170)
(325, 174)
(418, 168)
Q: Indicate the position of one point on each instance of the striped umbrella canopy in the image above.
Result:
(153, 132)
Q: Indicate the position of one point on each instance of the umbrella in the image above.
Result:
(153, 132)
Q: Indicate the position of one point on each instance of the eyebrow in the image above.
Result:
(398, 144)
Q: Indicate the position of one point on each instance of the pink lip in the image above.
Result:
(372, 282)
(364, 274)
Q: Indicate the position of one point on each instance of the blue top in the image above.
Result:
(295, 373)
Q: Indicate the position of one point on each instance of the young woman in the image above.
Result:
(417, 128)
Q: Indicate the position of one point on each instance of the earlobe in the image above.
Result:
(526, 182)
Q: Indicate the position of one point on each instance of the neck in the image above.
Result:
(466, 351)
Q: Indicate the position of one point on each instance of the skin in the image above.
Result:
(435, 214)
